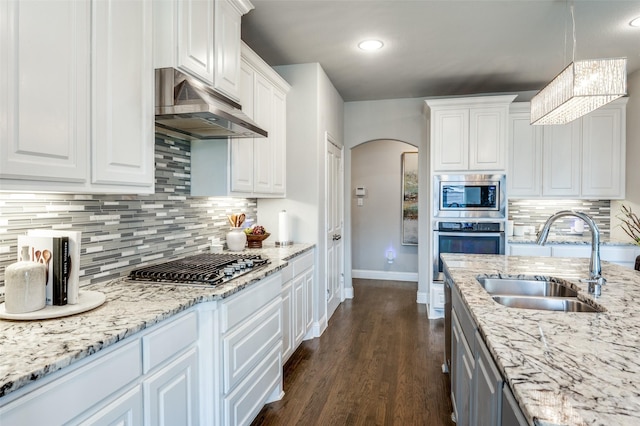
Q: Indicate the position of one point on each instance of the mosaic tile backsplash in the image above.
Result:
(120, 231)
(536, 212)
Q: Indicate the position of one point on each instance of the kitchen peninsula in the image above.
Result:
(136, 333)
(573, 368)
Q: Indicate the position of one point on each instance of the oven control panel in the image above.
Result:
(471, 226)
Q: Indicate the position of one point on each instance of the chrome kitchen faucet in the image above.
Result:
(595, 280)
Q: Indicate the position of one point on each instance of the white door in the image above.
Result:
(334, 220)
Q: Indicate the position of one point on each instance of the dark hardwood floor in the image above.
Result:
(378, 363)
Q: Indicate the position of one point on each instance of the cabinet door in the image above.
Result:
(487, 384)
(227, 48)
(278, 137)
(287, 324)
(525, 157)
(451, 139)
(122, 131)
(196, 37)
(44, 90)
(308, 298)
(299, 304)
(171, 395)
(241, 155)
(125, 410)
(511, 414)
(562, 160)
(262, 148)
(603, 167)
(462, 374)
(487, 138)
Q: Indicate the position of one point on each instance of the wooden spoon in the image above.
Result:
(46, 254)
(241, 219)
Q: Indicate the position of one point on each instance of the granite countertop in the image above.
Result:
(31, 350)
(563, 368)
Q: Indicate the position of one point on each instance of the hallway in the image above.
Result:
(378, 363)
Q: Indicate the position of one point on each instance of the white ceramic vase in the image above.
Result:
(236, 239)
(25, 282)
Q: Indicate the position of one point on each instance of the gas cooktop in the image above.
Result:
(203, 269)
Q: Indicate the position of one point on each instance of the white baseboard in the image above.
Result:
(348, 292)
(422, 298)
(384, 275)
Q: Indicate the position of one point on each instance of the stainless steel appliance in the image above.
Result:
(470, 196)
(462, 237)
(188, 109)
(203, 269)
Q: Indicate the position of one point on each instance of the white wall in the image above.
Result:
(633, 159)
(376, 224)
(397, 119)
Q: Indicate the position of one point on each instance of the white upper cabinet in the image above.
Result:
(603, 153)
(248, 167)
(525, 154)
(469, 134)
(76, 95)
(122, 115)
(581, 159)
(44, 92)
(202, 38)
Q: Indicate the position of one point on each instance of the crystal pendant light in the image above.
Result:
(580, 88)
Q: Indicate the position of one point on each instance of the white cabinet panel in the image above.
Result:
(525, 156)
(122, 115)
(562, 160)
(529, 250)
(487, 139)
(195, 28)
(171, 394)
(451, 139)
(227, 48)
(603, 168)
(44, 90)
(125, 410)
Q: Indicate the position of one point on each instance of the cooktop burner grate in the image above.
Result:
(204, 269)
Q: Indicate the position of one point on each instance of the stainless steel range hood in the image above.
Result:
(188, 109)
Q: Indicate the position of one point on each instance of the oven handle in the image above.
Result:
(467, 234)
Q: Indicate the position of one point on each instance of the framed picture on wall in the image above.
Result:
(409, 198)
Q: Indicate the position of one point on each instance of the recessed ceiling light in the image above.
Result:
(370, 45)
(635, 22)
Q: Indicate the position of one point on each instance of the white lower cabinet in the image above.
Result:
(250, 345)
(171, 394)
(297, 302)
(124, 410)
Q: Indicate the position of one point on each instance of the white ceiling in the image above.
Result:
(441, 47)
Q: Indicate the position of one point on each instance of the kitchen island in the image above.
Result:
(563, 368)
(33, 350)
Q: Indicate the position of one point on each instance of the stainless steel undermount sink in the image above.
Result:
(525, 287)
(565, 304)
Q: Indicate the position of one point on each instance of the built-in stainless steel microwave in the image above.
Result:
(476, 196)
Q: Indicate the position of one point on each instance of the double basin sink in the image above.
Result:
(546, 295)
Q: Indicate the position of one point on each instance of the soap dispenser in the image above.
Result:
(25, 285)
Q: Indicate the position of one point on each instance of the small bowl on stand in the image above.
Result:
(255, 241)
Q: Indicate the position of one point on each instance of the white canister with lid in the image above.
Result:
(24, 288)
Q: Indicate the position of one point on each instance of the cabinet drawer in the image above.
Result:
(246, 303)
(65, 398)
(246, 401)
(169, 340)
(287, 273)
(303, 262)
(245, 346)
